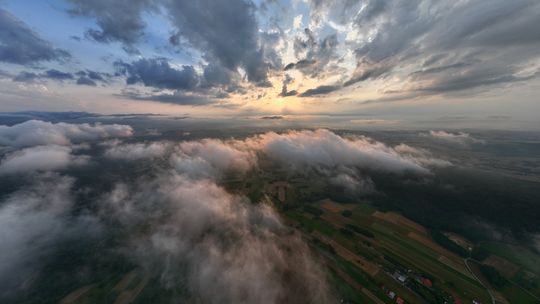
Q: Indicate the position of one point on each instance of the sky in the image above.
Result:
(374, 61)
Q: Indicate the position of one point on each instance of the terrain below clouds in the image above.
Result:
(199, 219)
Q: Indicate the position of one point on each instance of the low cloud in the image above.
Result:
(353, 184)
(211, 157)
(207, 158)
(36, 132)
(40, 158)
(32, 221)
(421, 156)
(136, 151)
(299, 149)
(325, 149)
(459, 138)
(340, 160)
(216, 245)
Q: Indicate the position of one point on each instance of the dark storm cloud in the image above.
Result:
(120, 21)
(21, 45)
(320, 90)
(158, 73)
(225, 31)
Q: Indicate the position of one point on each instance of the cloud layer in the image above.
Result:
(174, 219)
(36, 132)
(32, 221)
(223, 248)
(459, 138)
(323, 148)
(40, 158)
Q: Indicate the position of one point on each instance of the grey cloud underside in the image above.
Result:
(176, 97)
(273, 117)
(25, 77)
(453, 46)
(284, 88)
(320, 90)
(418, 47)
(190, 87)
(225, 32)
(84, 77)
(86, 81)
(159, 74)
(300, 64)
(49, 74)
(121, 21)
(317, 55)
(55, 74)
(21, 45)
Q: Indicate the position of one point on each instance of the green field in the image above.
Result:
(515, 254)
(519, 289)
(391, 240)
